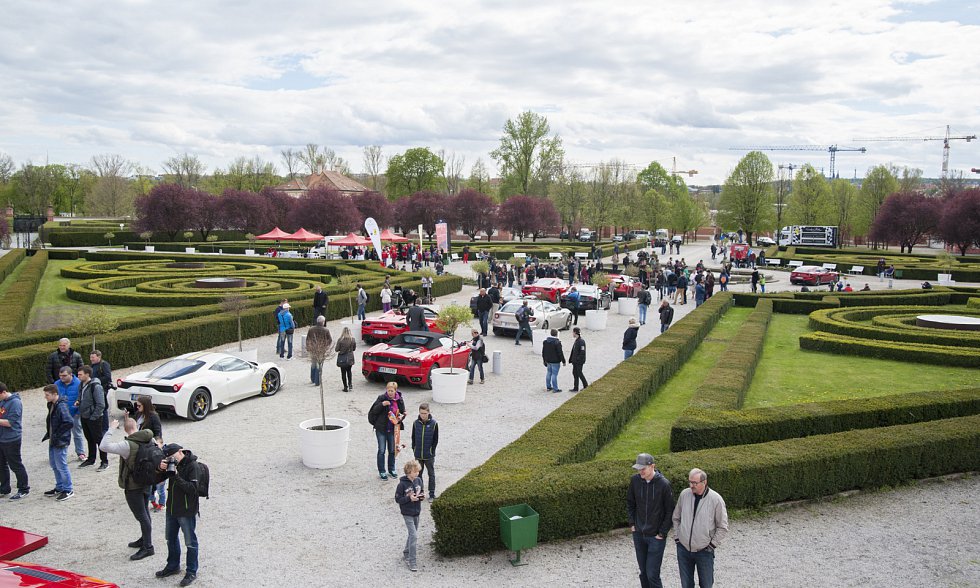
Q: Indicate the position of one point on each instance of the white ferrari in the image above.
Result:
(191, 385)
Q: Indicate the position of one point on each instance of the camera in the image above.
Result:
(171, 464)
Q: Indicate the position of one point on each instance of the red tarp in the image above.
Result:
(275, 234)
(303, 235)
(351, 239)
(387, 235)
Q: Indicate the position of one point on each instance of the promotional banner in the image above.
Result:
(371, 226)
(442, 236)
(420, 236)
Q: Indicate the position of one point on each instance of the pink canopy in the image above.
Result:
(303, 235)
(387, 235)
(351, 239)
(275, 234)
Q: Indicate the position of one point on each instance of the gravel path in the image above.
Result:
(271, 519)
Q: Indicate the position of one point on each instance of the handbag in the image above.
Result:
(290, 331)
(345, 359)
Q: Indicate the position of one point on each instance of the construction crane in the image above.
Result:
(945, 139)
(690, 172)
(833, 149)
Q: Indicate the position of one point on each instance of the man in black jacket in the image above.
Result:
(64, 356)
(576, 357)
(484, 304)
(320, 301)
(649, 508)
(554, 358)
(184, 490)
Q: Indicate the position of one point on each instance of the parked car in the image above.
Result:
(411, 356)
(621, 285)
(28, 575)
(506, 295)
(191, 385)
(590, 298)
(546, 289)
(563, 235)
(764, 241)
(547, 315)
(586, 235)
(637, 234)
(812, 275)
(392, 323)
(617, 238)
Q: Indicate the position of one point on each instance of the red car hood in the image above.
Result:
(389, 319)
(23, 575)
(397, 351)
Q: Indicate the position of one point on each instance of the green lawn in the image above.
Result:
(53, 308)
(788, 375)
(649, 430)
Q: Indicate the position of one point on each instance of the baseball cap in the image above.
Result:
(171, 448)
(643, 460)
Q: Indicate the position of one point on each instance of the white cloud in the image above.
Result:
(634, 80)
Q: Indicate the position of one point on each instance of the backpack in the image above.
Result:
(367, 297)
(146, 466)
(203, 479)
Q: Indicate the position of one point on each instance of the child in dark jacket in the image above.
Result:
(409, 495)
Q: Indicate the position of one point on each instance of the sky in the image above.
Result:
(638, 81)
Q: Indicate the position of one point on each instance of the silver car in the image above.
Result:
(546, 316)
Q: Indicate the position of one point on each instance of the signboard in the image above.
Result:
(442, 236)
(371, 226)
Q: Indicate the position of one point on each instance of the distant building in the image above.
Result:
(329, 179)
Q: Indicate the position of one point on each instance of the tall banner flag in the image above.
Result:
(442, 236)
(421, 230)
(371, 226)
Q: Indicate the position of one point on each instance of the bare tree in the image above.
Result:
(111, 194)
(144, 179)
(6, 168)
(110, 165)
(479, 177)
(291, 159)
(260, 173)
(374, 163)
(77, 181)
(186, 170)
(452, 172)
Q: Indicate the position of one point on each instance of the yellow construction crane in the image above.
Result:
(945, 139)
(690, 172)
(832, 149)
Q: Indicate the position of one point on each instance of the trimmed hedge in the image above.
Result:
(847, 322)
(584, 498)
(973, 302)
(898, 351)
(569, 435)
(15, 306)
(64, 253)
(704, 429)
(91, 236)
(782, 302)
(726, 384)
(9, 262)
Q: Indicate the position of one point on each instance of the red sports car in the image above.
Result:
(621, 285)
(411, 356)
(391, 323)
(23, 575)
(812, 275)
(549, 289)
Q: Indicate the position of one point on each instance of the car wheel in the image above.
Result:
(428, 380)
(271, 382)
(568, 323)
(498, 331)
(199, 405)
(545, 325)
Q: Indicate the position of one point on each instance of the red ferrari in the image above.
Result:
(411, 356)
(549, 289)
(812, 275)
(621, 285)
(24, 575)
(392, 323)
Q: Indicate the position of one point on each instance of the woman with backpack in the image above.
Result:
(147, 418)
(345, 357)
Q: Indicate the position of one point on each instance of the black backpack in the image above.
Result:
(203, 479)
(146, 466)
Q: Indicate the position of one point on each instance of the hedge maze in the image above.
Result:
(179, 317)
(754, 456)
(909, 267)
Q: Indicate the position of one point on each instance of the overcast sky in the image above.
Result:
(639, 81)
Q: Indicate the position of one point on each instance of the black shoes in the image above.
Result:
(85, 464)
(188, 579)
(142, 553)
(20, 495)
(167, 572)
(103, 466)
(135, 544)
(52, 493)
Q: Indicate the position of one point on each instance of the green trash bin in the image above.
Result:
(518, 529)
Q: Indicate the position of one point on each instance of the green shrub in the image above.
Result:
(703, 429)
(973, 302)
(898, 351)
(15, 306)
(10, 261)
(847, 321)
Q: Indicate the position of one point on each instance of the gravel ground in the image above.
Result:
(276, 519)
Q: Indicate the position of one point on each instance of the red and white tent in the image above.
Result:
(387, 235)
(351, 239)
(303, 235)
(275, 234)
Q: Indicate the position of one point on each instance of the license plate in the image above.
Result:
(387, 370)
(380, 332)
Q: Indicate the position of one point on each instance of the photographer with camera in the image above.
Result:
(137, 491)
(187, 482)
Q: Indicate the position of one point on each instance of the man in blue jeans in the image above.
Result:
(185, 487)
(523, 316)
(649, 507)
(553, 357)
(697, 537)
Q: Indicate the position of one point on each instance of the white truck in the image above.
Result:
(324, 250)
(808, 236)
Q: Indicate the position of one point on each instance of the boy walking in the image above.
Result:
(409, 495)
(425, 437)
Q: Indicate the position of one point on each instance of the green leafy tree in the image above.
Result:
(747, 197)
(109, 237)
(416, 170)
(570, 193)
(843, 207)
(655, 177)
(451, 317)
(809, 203)
(688, 214)
(99, 321)
(878, 184)
(528, 155)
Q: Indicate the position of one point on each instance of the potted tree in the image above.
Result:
(109, 237)
(188, 235)
(100, 321)
(251, 243)
(212, 239)
(449, 383)
(595, 320)
(324, 441)
(628, 304)
(346, 283)
(146, 236)
(235, 304)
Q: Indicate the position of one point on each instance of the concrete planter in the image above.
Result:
(628, 306)
(449, 387)
(595, 320)
(324, 449)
